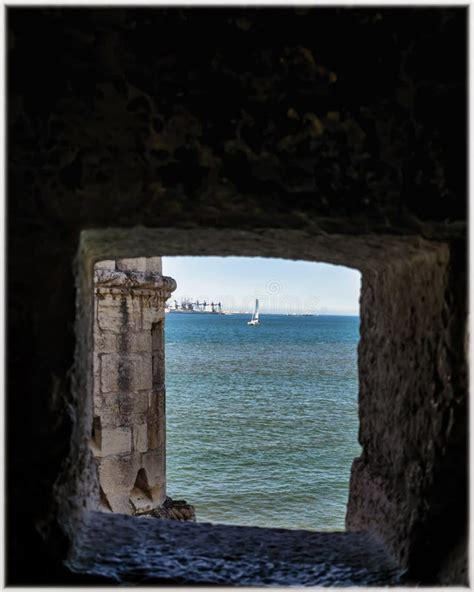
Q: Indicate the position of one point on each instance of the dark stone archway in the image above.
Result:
(270, 125)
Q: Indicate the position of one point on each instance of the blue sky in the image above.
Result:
(282, 286)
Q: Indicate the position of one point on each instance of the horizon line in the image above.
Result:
(287, 314)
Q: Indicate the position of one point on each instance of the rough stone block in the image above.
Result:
(109, 264)
(154, 264)
(109, 377)
(96, 373)
(118, 473)
(109, 414)
(139, 342)
(137, 264)
(154, 464)
(162, 437)
(116, 440)
(105, 403)
(154, 407)
(141, 501)
(118, 314)
(133, 406)
(156, 435)
(158, 369)
(151, 316)
(120, 373)
(161, 400)
(105, 342)
(96, 368)
(119, 502)
(140, 437)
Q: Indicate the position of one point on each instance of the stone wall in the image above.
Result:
(412, 412)
(412, 402)
(128, 437)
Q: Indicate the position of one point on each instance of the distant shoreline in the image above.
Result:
(273, 314)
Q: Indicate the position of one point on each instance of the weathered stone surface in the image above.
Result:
(127, 549)
(407, 266)
(126, 372)
(96, 369)
(106, 342)
(303, 120)
(140, 437)
(409, 399)
(128, 402)
(132, 482)
(154, 264)
(116, 440)
(156, 437)
(137, 264)
(152, 285)
(118, 314)
(110, 265)
(139, 342)
(135, 403)
(156, 413)
(151, 315)
(154, 463)
(108, 410)
(116, 473)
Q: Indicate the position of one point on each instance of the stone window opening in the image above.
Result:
(387, 518)
(130, 396)
(230, 372)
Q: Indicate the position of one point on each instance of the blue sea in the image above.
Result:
(262, 421)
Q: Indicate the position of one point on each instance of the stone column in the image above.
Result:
(128, 438)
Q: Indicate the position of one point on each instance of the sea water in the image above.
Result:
(262, 421)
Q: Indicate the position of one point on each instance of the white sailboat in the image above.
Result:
(254, 320)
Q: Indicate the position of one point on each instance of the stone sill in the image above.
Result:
(125, 549)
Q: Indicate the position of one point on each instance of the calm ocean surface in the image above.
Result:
(262, 421)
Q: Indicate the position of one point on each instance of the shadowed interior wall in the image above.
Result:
(320, 150)
(412, 405)
(412, 414)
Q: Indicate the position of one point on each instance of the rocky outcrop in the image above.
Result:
(174, 510)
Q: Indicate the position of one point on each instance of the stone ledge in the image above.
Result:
(126, 549)
(108, 278)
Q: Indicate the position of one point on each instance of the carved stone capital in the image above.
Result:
(106, 280)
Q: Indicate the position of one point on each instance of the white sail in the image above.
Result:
(254, 320)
